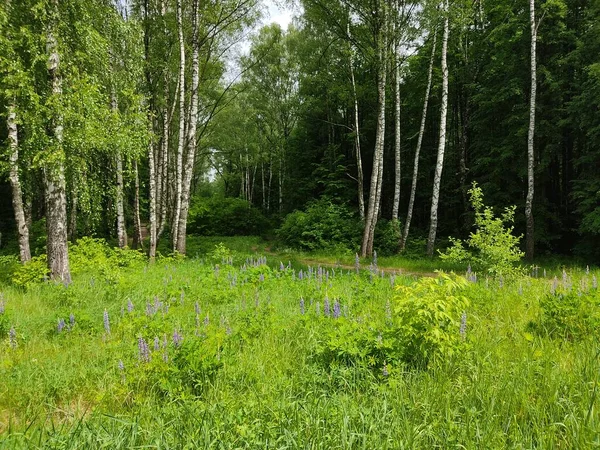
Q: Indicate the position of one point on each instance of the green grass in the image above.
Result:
(253, 378)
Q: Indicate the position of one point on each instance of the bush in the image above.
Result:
(387, 237)
(217, 216)
(423, 325)
(323, 226)
(492, 247)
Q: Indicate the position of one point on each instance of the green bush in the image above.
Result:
(323, 226)
(492, 247)
(218, 216)
(423, 325)
(387, 237)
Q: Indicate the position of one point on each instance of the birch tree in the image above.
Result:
(413, 188)
(529, 234)
(442, 136)
(54, 169)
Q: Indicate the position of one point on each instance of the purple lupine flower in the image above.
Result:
(177, 338)
(554, 285)
(165, 357)
(468, 271)
(356, 263)
(384, 371)
(302, 305)
(228, 329)
(544, 273)
(12, 337)
(463, 326)
(375, 259)
(594, 282)
(300, 275)
(261, 278)
(143, 350)
(156, 343)
(392, 280)
(206, 320)
(587, 270)
(564, 277)
(61, 325)
(121, 366)
(326, 306)
(72, 320)
(281, 266)
(106, 322)
(336, 309)
(197, 308)
(129, 306)
(1, 306)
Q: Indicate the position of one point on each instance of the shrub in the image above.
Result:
(217, 216)
(492, 247)
(387, 237)
(323, 226)
(424, 325)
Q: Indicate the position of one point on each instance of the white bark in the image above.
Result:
(192, 139)
(442, 144)
(121, 231)
(413, 188)
(529, 235)
(15, 182)
(377, 173)
(54, 171)
(180, 145)
(359, 167)
(397, 142)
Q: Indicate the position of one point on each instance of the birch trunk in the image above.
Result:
(138, 241)
(377, 173)
(121, 231)
(180, 145)
(442, 144)
(359, 167)
(413, 188)
(151, 168)
(15, 182)
(397, 142)
(54, 171)
(529, 233)
(192, 139)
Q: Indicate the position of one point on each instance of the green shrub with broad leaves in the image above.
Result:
(423, 325)
(324, 225)
(492, 247)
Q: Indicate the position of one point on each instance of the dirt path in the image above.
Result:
(388, 270)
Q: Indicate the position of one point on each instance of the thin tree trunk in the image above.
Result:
(264, 197)
(15, 182)
(442, 144)
(192, 139)
(180, 145)
(138, 241)
(413, 188)
(54, 171)
(397, 142)
(121, 231)
(529, 233)
(359, 167)
(377, 173)
(151, 168)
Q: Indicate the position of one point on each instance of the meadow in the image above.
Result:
(238, 347)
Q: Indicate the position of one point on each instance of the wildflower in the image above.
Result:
(375, 259)
(587, 270)
(336, 309)
(106, 322)
(384, 371)
(326, 306)
(281, 266)
(129, 305)
(594, 282)
(72, 320)
(261, 277)
(197, 308)
(302, 305)
(1, 306)
(463, 326)
(318, 308)
(544, 273)
(156, 344)
(143, 349)
(121, 365)
(206, 320)
(300, 275)
(61, 325)
(12, 337)
(356, 262)
(177, 338)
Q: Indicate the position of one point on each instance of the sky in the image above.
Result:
(281, 15)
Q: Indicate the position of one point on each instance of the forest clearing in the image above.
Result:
(324, 224)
